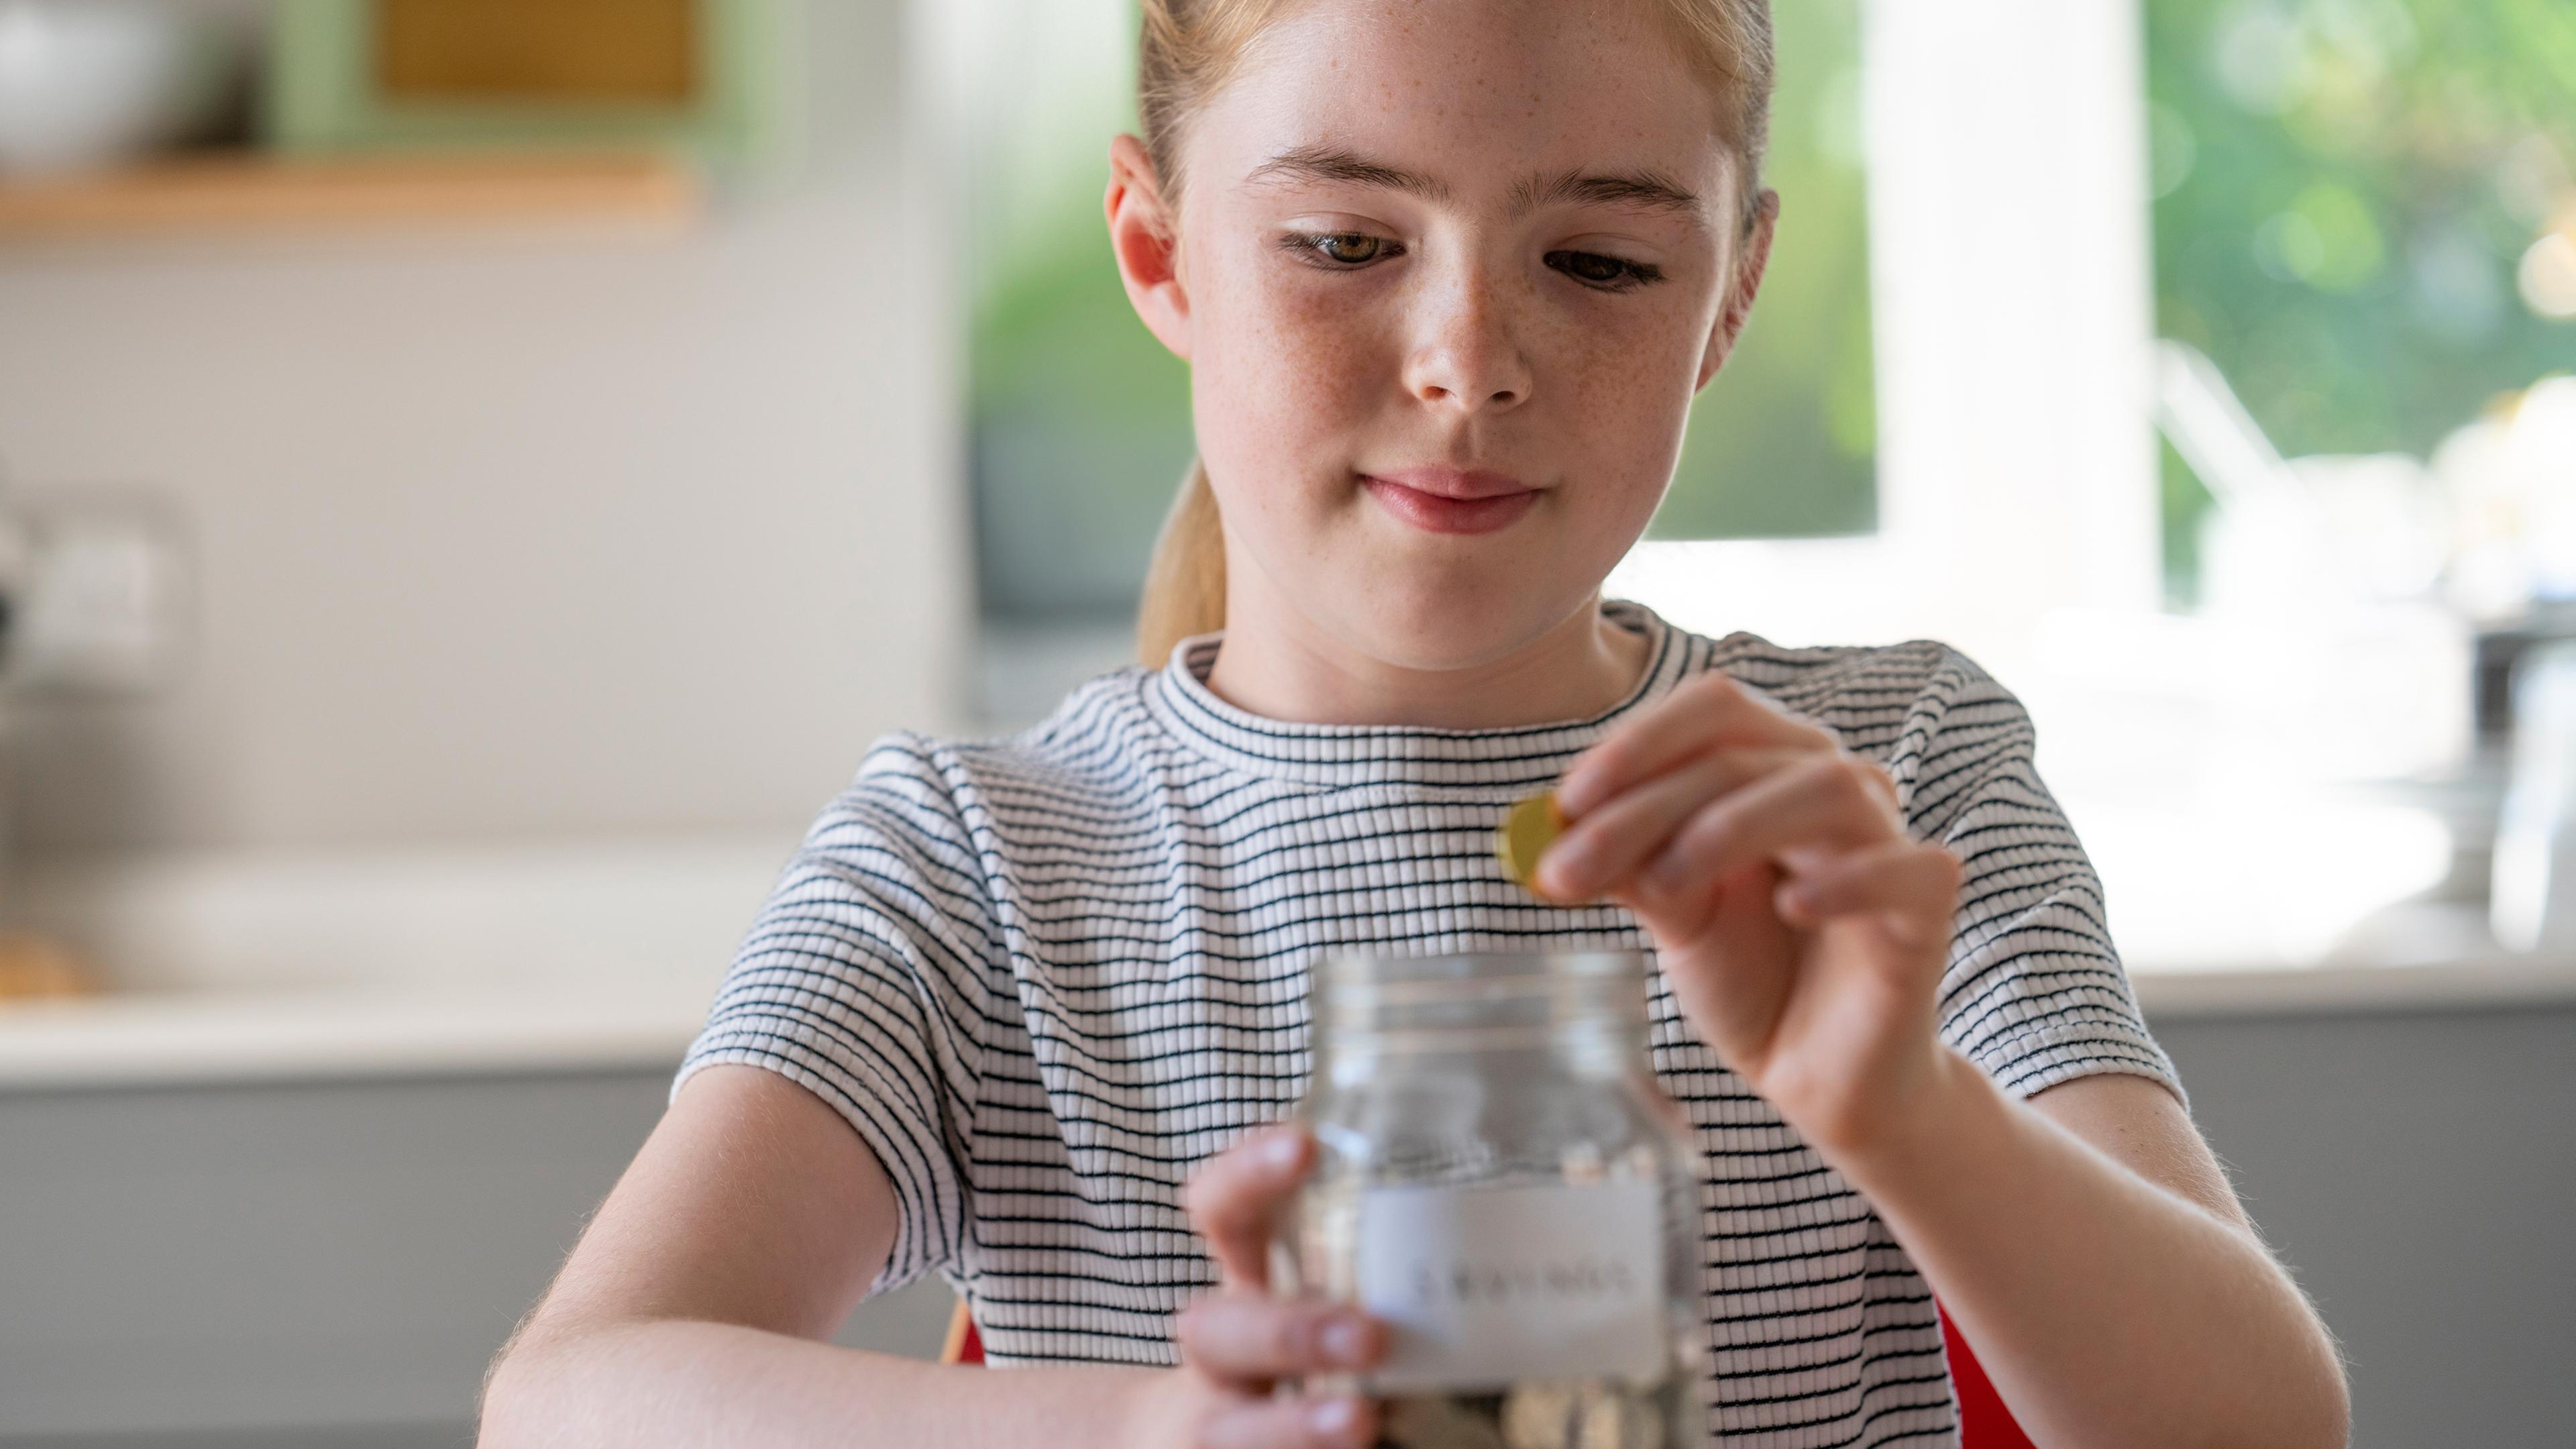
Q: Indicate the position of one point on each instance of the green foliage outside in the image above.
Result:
(1079, 421)
(2344, 191)
(1783, 443)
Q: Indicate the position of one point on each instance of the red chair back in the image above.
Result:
(1984, 1422)
(964, 1344)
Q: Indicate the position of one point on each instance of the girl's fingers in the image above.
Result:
(1826, 800)
(1698, 715)
(1605, 847)
(1912, 888)
(1247, 1340)
(1336, 1423)
(1237, 1194)
(1739, 970)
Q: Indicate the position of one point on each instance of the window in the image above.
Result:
(2009, 305)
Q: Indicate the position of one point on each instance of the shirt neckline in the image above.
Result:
(1178, 698)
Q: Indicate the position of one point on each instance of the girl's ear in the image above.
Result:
(1145, 237)
(1747, 281)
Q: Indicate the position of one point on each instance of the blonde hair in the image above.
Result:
(1186, 51)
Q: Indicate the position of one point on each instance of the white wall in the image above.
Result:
(520, 532)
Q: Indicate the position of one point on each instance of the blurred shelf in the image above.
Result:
(183, 197)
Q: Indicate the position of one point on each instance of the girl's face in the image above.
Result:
(1449, 273)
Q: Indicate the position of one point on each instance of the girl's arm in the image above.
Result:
(695, 1308)
(2085, 1240)
(2088, 1245)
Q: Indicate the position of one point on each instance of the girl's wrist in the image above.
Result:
(1913, 1124)
(1155, 1408)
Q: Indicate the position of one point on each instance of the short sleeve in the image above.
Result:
(2034, 992)
(863, 980)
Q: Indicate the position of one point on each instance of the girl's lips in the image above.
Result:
(1433, 513)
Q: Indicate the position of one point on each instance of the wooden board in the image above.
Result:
(638, 51)
(179, 197)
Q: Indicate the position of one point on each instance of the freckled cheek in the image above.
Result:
(1625, 395)
(1284, 371)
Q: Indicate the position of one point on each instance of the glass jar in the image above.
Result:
(1503, 1183)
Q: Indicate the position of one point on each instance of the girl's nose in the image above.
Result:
(1466, 359)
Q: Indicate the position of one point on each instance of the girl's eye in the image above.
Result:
(1351, 250)
(1607, 273)
(1340, 248)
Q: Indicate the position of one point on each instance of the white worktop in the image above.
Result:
(602, 957)
(238, 967)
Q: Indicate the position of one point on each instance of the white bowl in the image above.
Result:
(89, 83)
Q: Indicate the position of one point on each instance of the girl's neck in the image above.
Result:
(1276, 664)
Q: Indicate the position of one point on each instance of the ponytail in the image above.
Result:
(1185, 583)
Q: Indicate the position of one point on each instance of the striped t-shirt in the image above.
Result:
(1044, 976)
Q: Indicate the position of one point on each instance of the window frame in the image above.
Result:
(2013, 323)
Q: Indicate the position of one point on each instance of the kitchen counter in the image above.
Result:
(178, 1037)
(2498, 981)
(277, 967)
(606, 957)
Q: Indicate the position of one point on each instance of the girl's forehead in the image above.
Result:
(1466, 93)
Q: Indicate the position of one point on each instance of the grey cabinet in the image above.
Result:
(338, 1258)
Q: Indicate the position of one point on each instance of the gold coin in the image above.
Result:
(1532, 826)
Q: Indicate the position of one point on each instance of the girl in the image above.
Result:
(1447, 274)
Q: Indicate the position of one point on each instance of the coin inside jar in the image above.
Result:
(1591, 1414)
(1532, 826)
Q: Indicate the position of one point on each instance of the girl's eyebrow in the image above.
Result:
(1647, 190)
(1332, 163)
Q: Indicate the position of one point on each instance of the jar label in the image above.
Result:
(1487, 1286)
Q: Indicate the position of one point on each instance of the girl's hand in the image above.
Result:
(1238, 1341)
(1804, 933)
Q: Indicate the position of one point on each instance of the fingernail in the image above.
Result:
(1281, 1152)
(1345, 1341)
(1333, 1416)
